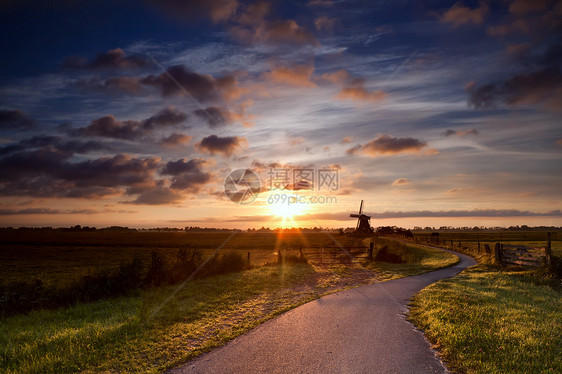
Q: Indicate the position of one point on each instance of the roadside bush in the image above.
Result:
(229, 262)
(187, 261)
(384, 254)
(22, 297)
(157, 270)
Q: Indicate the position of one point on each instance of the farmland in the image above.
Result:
(59, 257)
(122, 333)
(159, 327)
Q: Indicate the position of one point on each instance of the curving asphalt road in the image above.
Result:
(361, 330)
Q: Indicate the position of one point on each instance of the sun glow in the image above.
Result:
(287, 211)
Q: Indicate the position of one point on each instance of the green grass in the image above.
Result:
(418, 259)
(490, 321)
(124, 335)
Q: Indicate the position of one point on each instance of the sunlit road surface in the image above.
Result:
(362, 330)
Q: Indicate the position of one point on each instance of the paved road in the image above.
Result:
(362, 330)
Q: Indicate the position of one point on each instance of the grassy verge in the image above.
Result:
(411, 259)
(490, 321)
(124, 334)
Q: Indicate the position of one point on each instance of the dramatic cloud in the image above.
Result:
(155, 194)
(294, 75)
(224, 145)
(540, 87)
(387, 144)
(182, 166)
(214, 116)
(15, 120)
(110, 60)
(168, 116)
(48, 172)
(175, 139)
(458, 14)
(110, 127)
(460, 133)
(180, 81)
(187, 175)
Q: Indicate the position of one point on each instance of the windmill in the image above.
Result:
(363, 225)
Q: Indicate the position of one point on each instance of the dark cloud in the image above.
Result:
(192, 10)
(158, 195)
(182, 166)
(214, 116)
(58, 143)
(110, 127)
(179, 81)
(15, 120)
(387, 144)
(226, 145)
(543, 87)
(187, 175)
(119, 170)
(48, 172)
(110, 60)
(168, 116)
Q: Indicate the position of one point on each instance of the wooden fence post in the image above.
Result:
(478, 247)
(371, 246)
(548, 249)
(248, 258)
(497, 253)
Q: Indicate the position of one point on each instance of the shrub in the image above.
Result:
(384, 254)
(157, 272)
(188, 260)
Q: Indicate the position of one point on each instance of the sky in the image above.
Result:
(134, 113)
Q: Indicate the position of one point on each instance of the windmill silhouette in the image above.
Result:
(363, 225)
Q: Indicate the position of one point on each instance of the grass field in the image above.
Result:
(61, 257)
(158, 328)
(416, 259)
(490, 321)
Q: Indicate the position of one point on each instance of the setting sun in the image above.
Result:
(287, 207)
